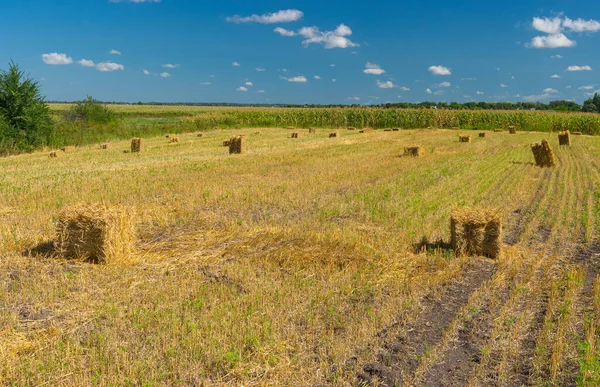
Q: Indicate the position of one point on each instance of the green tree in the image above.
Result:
(90, 111)
(25, 122)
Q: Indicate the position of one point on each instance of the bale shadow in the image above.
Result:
(425, 245)
(44, 249)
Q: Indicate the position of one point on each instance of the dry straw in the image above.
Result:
(512, 129)
(296, 135)
(237, 145)
(577, 133)
(99, 233)
(334, 134)
(53, 154)
(312, 130)
(462, 138)
(543, 154)
(564, 138)
(104, 146)
(414, 151)
(476, 232)
(482, 134)
(67, 148)
(136, 144)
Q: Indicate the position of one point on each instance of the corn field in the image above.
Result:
(401, 118)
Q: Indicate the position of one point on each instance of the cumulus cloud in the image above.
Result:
(555, 29)
(284, 16)
(57, 59)
(480, 93)
(146, 72)
(249, 84)
(588, 87)
(552, 41)
(468, 79)
(386, 85)
(537, 97)
(556, 56)
(579, 68)
(260, 69)
(439, 92)
(334, 80)
(170, 66)
(502, 85)
(298, 79)
(115, 52)
(547, 25)
(241, 88)
(555, 76)
(109, 66)
(444, 84)
(205, 83)
(428, 91)
(86, 63)
(404, 88)
(317, 77)
(550, 90)
(372, 68)
(329, 39)
(165, 75)
(284, 32)
(439, 70)
(260, 91)
(581, 25)
(235, 64)
(354, 98)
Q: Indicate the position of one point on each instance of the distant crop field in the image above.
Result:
(305, 261)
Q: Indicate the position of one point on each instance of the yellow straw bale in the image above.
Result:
(476, 232)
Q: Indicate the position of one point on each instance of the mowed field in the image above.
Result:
(305, 262)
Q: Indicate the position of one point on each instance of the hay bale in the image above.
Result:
(227, 143)
(387, 130)
(237, 145)
(334, 134)
(395, 129)
(543, 154)
(296, 135)
(351, 128)
(136, 144)
(577, 134)
(462, 138)
(482, 134)
(312, 130)
(414, 151)
(512, 129)
(174, 140)
(67, 148)
(564, 138)
(291, 128)
(476, 232)
(104, 146)
(99, 233)
(366, 130)
(498, 130)
(53, 155)
(200, 134)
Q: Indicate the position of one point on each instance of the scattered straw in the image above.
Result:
(136, 144)
(564, 138)
(543, 154)
(414, 151)
(99, 233)
(476, 232)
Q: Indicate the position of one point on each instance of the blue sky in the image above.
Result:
(272, 51)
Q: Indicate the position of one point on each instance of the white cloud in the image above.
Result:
(568, 87)
(86, 63)
(386, 85)
(555, 76)
(115, 52)
(552, 41)
(284, 32)
(109, 66)
(536, 97)
(334, 80)
(57, 59)
(556, 56)
(581, 25)
(235, 64)
(547, 25)
(329, 39)
(439, 92)
(589, 87)
(480, 93)
(354, 98)
(468, 79)
(146, 72)
(241, 88)
(165, 75)
(285, 16)
(205, 83)
(579, 68)
(502, 85)
(404, 88)
(439, 70)
(332, 65)
(444, 84)
(249, 84)
(260, 69)
(550, 90)
(170, 66)
(428, 91)
(298, 79)
(260, 91)
(372, 68)
(317, 77)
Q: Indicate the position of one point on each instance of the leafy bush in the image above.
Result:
(25, 122)
(89, 111)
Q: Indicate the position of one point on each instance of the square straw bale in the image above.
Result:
(476, 232)
(334, 134)
(543, 154)
(312, 130)
(237, 145)
(98, 233)
(296, 135)
(577, 134)
(53, 154)
(512, 129)
(136, 145)
(564, 138)
(462, 138)
(482, 134)
(414, 151)
(104, 146)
